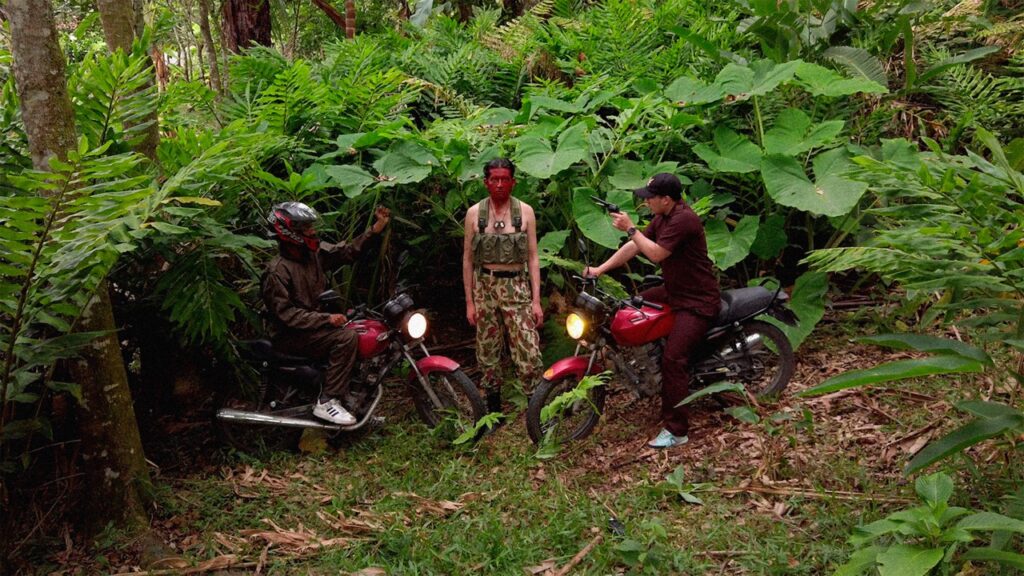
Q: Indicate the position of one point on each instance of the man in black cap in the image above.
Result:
(675, 240)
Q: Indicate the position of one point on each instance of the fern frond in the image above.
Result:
(114, 97)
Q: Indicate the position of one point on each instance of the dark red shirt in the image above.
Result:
(690, 279)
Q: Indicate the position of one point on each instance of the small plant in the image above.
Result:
(675, 484)
(925, 539)
(571, 401)
(650, 553)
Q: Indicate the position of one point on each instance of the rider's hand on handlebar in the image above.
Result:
(591, 272)
(338, 320)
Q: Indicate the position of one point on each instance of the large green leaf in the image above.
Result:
(808, 303)
(830, 195)
(859, 561)
(760, 78)
(593, 221)
(727, 249)
(793, 133)
(403, 165)
(550, 245)
(990, 522)
(968, 435)
(992, 555)
(984, 409)
(859, 62)
(713, 389)
(632, 174)
(926, 343)
(898, 370)
(688, 91)
(902, 560)
(934, 488)
(963, 58)
(821, 81)
(352, 179)
(535, 157)
(735, 153)
(771, 237)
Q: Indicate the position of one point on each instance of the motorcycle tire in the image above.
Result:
(577, 424)
(773, 362)
(461, 403)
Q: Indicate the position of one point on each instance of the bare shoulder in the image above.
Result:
(527, 210)
(472, 212)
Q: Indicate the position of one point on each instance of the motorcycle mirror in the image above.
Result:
(582, 244)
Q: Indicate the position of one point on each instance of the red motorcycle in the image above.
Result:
(627, 336)
(390, 337)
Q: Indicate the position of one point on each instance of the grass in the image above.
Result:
(401, 500)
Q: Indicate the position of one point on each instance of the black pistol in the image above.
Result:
(611, 208)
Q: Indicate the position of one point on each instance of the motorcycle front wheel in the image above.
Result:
(458, 407)
(573, 419)
(766, 369)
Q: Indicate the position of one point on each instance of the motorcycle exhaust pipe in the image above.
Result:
(736, 349)
(243, 417)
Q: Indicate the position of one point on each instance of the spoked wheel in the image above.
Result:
(572, 419)
(455, 407)
(768, 366)
(255, 439)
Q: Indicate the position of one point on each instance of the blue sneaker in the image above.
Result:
(666, 439)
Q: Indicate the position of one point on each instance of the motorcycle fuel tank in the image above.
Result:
(369, 330)
(632, 327)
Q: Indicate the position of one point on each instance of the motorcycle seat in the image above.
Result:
(742, 302)
(264, 350)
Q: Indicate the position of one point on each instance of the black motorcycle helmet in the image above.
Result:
(294, 223)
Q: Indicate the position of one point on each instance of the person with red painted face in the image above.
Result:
(291, 286)
(501, 278)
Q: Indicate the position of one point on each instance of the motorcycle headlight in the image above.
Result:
(415, 325)
(575, 325)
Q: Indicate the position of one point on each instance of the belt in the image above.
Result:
(501, 273)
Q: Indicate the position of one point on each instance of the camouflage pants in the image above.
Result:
(504, 314)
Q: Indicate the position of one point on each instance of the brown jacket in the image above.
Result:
(291, 287)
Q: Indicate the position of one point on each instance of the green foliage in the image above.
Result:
(944, 223)
(60, 236)
(926, 539)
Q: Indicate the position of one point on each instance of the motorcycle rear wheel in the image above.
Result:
(461, 404)
(575, 422)
(770, 367)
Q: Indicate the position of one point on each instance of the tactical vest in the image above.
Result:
(495, 248)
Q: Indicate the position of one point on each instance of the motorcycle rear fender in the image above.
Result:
(432, 364)
(573, 366)
(782, 313)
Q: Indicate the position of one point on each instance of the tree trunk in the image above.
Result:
(122, 21)
(39, 71)
(118, 18)
(115, 469)
(512, 8)
(350, 19)
(246, 22)
(211, 51)
(113, 465)
(334, 15)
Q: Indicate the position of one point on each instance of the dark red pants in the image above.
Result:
(338, 346)
(687, 332)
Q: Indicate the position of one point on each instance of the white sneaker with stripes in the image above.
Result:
(333, 412)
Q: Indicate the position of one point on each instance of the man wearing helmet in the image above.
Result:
(291, 285)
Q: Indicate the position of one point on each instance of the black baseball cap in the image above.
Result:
(663, 184)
